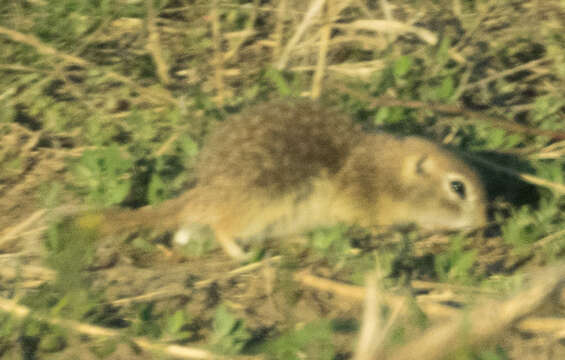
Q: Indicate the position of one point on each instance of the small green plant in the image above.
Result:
(527, 225)
(168, 173)
(52, 342)
(230, 335)
(37, 338)
(330, 243)
(496, 138)
(285, 84)
(401, 75)
(8, 330)
(104, 347)
(168, 327)
(456, 264)
(312, 341)
(147, 322)
(176, 326)
(102, 175)
(547, 112)
(494, 354)
(70, 249)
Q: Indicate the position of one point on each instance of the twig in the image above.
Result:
(322, 53)
(246, 33)
(552, 151)
(174, 291)
(387, 11)
(167, 144)
(218, 55)
(279, 28)
(532, 179)
(391, 27)
(546, 325)
(374, 330)
(154, 45)
(357, 293)
(505, 73)
(482, 323)
(549, 239)
(363, 69)
(313, 11)
(22, 68)
(372, 323)
(14, 231)
(41, 47)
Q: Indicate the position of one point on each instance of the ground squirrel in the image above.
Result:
(285, 167)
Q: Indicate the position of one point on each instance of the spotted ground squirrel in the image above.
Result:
(285, 167)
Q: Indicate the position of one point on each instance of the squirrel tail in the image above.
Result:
(162, 217)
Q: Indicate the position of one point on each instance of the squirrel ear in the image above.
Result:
(417, 166)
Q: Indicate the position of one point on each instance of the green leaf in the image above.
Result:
(156, 189)
(188, 147)
(230, 335)
(382, 115)
(175, 324)
(176, 321)
(446, 89)
(402, 66)
(224, 321)
(101, 175)
(313, 341)
(146, 323)
(52, 343)
(331, 243)
(456, 264)
(277, 78)
(442, 55)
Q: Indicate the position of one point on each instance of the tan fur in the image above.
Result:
(285, 167)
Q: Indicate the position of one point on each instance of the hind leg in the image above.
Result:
(188, 232)
(231, 247)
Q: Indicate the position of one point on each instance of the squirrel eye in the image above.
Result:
(458, 187)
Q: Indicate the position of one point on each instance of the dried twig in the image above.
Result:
(313, 11)
(538, 325)
(374, 330)
(499, 75)
(545, 241)
(177, 290)
(14, 231)
(154, 45)
(322, 53)
(363, 69)
(482, 323)
(245, 34)
(279, 28)
(387, 11)
(532, 179)
(357, 293)
(218, 54)
(391, 27)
